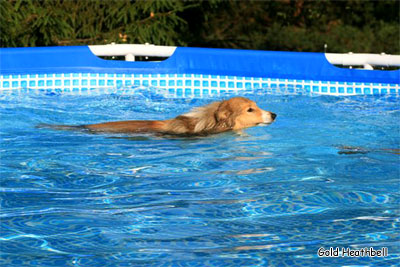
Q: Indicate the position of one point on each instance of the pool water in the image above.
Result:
(325, 174)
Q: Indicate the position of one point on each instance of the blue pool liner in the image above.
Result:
(189, 70)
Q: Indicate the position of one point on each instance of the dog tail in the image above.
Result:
(60, 127)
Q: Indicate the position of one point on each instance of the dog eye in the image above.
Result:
(250, 110)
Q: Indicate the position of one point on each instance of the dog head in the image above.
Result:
(239, 113)
(233, 114)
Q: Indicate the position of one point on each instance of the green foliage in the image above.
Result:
(353, 25)
(52, 22)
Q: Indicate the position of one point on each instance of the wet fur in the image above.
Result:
(201, 120)
(214, 118)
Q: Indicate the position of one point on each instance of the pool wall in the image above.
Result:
(188, 72)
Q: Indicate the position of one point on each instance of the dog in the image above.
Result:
(234, 114)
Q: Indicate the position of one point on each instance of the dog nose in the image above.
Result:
(273, 115)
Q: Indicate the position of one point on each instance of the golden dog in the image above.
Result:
(230, 115)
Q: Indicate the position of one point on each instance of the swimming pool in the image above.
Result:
(325, 174)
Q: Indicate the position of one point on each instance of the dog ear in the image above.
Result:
(224, 115)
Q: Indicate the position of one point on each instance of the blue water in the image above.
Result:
(325, 174)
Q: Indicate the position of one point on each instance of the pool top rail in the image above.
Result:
(130, 51)
(194, 68)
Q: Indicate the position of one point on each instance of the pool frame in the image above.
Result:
(188, 72)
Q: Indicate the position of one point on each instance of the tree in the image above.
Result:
(71, 22)
(354, 25)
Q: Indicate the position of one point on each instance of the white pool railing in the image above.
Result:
(130, 51)
(365, 60)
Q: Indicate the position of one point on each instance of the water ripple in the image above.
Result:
(270, 197)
